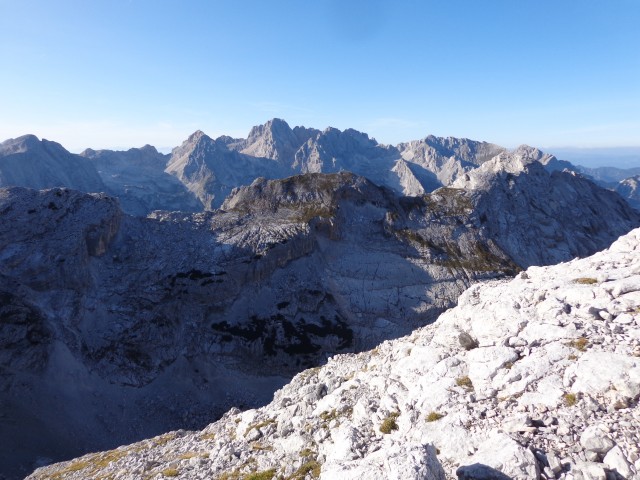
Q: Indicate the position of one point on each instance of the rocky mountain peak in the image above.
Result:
(30, 162)
(196, 136)
(19, 144)
(630, 189)
(274, 140)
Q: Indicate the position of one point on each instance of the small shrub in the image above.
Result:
(508, 365)
(585, 280)
(572, 357)
(570, 399)
(389, 424)
(464, 382)
(170, 472)
(580, 344)
(434, 417)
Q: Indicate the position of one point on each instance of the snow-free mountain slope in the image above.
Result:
(234, 302)
(137, 177)
(210, 169)
(29, 162)
(201, 172)
(540, 217)
(533, 378)
(448, 158)
(275, 140)
(628, 189)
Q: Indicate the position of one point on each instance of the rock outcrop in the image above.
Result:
(448, 158)
(533, 378)
(539, 217)
(212, 168)
(628, 189)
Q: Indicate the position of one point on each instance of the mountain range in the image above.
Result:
(204, 280)
(199, 174)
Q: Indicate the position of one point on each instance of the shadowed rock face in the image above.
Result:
(29, 162)
(138, 179)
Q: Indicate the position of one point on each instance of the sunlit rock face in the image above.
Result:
(628, 188)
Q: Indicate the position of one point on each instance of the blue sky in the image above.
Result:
(122, 73)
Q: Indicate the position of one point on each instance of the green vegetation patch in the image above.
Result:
(264, 475)
(389, 424)
(464, 382)
(434, 416)
(580, 344)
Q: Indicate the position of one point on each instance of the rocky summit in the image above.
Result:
(537, 377)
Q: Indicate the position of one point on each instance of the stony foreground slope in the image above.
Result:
(537, 377)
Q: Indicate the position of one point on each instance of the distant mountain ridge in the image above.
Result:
(138, 178)
(29, 162)
(199, 174)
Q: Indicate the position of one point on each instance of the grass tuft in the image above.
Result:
(434, 416)
(389, 424)
(464, 382)
(580, 344)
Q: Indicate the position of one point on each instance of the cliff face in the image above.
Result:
(533, 378)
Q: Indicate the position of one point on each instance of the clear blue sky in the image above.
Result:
(121, 73)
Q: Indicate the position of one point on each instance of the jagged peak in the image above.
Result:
(20, 144)
(197, 136)
(147, 148)
(274, 126)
